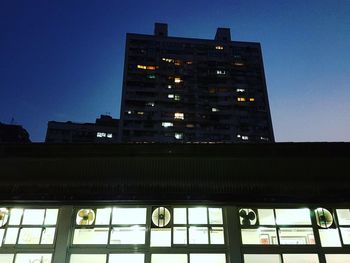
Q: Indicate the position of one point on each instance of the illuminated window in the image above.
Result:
(240, 99)
(239, 64)
(215, 109)
(240, 90)
(146, 67)
(264, 138)
(170, 96)
(129, 111)
(140, 112)
(179, 116)
(87, 258)
(167, 124)
(189, 62)
(177, 80)
(109, 135)
(27, 226)
(150, 104)
(177, 97)
(219, 47)
(177, 63)
(151, 76)
(245, 138)
(220, 72)
(179, 135)
(189, 125)
(169, 60)
(101, 134)
(251, 99)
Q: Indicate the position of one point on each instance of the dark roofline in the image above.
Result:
(192, 40)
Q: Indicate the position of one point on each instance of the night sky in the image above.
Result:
(63, 59)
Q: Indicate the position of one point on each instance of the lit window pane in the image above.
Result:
(207, 258)
(198, 235)
(48, 235)
(180, 216)
(217, 235)
(197, 215)
(259, 236)
(128, 235)
(2, 232)
(329, 237)
(15, 216)
(6, 258)
(169, 258)
(88, 258)
(293, 216)
(129, 216)
(91, 236)
(180, 235)
(25, 258)
(345, 233)
(161, 237)
(300, 258)
(126, 258)
(296, 236)
(215, 216)
(29, 236)
(266, 217)
(254, 258)
(343, 216)
(33, 216)
(103, 216)
(51, 216)
(11, 236)
(338, 258)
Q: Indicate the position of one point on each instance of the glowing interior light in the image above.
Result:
(214, 109)
(141, 67)
(245, 138)
(240, 99)
(220, 72)
(219, 47)
(109, 135)
(189, 62)
(140, 112)
(169, 87)
(170, 96)
(129, 112)
(101, 134)
(251, 99)
(167, 124)
(179, 116)
(177, 97)
(178, 135)
(177, 80)
(240, 90)
(239, 64)
(169, 60)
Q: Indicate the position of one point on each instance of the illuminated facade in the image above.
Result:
(175, 203)
(194, 90)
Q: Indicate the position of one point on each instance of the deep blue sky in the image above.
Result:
(63, 59)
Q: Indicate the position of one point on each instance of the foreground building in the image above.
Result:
(191, 203)
(13, 133)
(104, 130)
(194, 90)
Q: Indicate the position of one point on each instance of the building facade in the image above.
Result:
(194, 90)
(149, 203)
(13, 133)
(104, 130)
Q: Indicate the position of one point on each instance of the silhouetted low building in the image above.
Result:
(12, 133)
(104, 130)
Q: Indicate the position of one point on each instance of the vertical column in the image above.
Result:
(234, 235)
(321, 256)
(63, 234)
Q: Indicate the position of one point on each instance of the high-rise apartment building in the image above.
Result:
(194, 90)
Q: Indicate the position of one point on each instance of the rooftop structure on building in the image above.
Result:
(179, 89)
(104, 130)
